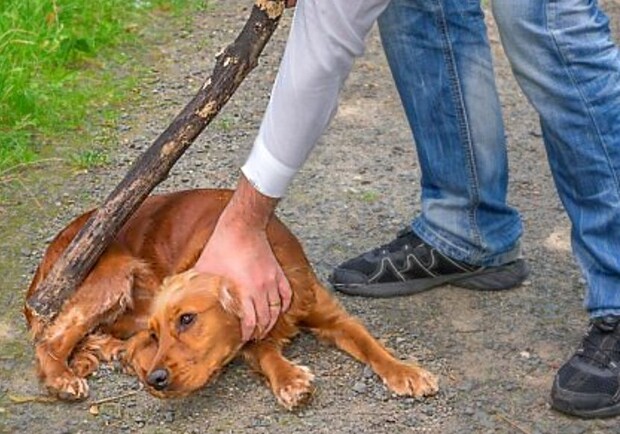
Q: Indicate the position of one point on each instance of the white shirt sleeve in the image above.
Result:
(326, 36)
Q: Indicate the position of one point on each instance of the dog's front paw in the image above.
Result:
(83, 364)
(411, 380)
(68, 387)
(294, 388)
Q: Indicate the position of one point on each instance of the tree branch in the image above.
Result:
(232, 66)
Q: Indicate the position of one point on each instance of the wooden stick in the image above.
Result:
(113, 398)
(232, 66)
(511, 423)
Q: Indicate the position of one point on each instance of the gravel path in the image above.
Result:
(496, 354)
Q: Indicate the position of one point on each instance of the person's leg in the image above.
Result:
(563, 57)
(441, 62)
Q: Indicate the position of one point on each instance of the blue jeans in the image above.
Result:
(564, 60)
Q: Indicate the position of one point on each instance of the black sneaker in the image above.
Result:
(408, 265)
(587, 385)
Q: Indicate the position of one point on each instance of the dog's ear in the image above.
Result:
(229, 297)
(179, 281)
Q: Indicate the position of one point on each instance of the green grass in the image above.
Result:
(57, 68)
(225, 123)
(369, 196)
(89, 158)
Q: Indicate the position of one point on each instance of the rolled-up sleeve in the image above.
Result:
(325, 38)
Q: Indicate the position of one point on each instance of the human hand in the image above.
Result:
(239, 250)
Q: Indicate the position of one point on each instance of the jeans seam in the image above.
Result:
(552, 32)
(464, 131)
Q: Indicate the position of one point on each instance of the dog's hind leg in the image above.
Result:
(105, 294)
(290, 383)
(329, 321)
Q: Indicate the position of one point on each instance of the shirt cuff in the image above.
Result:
(266, 173)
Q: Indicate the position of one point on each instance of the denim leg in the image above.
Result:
(440, 59)
(563, 56)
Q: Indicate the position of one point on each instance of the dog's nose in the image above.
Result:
(158, 379)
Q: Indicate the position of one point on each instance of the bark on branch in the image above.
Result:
(231, 68)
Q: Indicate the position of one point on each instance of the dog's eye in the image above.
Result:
(153, 336)
(186, 320)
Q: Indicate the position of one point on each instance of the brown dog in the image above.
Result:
(175, 336)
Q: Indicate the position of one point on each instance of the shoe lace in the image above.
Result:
(403, 237)
(601, 342)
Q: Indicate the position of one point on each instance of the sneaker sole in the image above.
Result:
(567, 408)
(487, 279)
(563, 405)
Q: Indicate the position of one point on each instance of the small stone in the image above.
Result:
(368, 372)
(260, 422)
(360, 387)
(466, 386)
(575, 429)
(428, 411)
(412, 421)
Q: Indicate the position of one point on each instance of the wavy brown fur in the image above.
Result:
(130, 307)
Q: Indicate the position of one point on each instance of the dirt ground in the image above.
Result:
(495, 354)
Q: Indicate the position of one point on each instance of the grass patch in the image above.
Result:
(58, 69)
(369, 196)
(89, 158)
(225, 123)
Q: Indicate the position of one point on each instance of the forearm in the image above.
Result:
(325, 38)
(249, 207)
(324, 41)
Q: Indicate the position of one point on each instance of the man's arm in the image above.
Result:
(325, 38)
(240, 250)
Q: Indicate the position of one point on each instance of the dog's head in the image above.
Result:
(194, 330)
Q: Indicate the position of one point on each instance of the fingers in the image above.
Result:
(263, 314)
(248, 321)
(260, 312)
(274, 305)
(263, 308)
(278, 300)
(285, 292)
